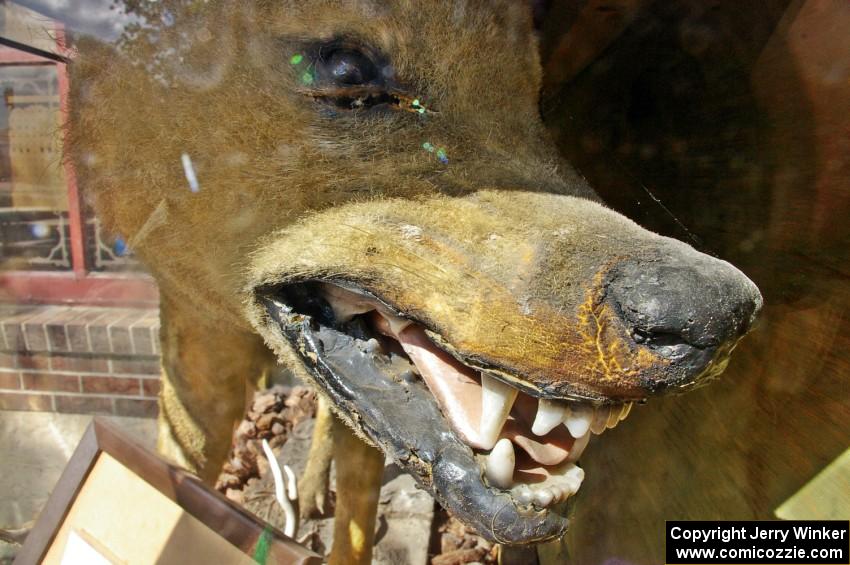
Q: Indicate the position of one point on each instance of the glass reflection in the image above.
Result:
(722, 125)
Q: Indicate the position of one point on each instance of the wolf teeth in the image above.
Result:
(497, 399)
(600, 419)
(550, 413)
(500, 464)
(627, 408)
(578, 419)
(557, 488)
(613, 416)
(543, 497)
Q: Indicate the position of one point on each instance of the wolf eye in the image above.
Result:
(346, 67)
(348, 76)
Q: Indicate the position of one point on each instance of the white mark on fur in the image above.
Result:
(411, 232)
(189, 171)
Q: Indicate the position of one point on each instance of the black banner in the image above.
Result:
(815, 542)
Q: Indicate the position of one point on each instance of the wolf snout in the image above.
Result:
(691, 311)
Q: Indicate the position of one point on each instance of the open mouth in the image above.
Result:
(502, 460)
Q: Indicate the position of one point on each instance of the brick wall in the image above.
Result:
(79, 359)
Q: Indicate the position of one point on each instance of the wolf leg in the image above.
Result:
(359, 469)
(313, 488)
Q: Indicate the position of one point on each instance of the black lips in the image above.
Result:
(401, 417)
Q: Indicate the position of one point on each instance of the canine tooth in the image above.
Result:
(627, 408)
(578, 448)
(497, 398)
(600, 419)
(578, 418)
(543, 497)
(550, 413)
(500, 464)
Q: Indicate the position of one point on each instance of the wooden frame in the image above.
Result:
(223, 518)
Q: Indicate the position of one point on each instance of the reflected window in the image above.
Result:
(46, 227)
(33, 189)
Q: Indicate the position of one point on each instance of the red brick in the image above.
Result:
(35, 361)
(17, 401)
(10, 380)
(8, 360)
(99, 335)
(119, 331)
(135, 407)
(55, 327)
(13, 328)
(78, 338)
(144, 337)
(14, 335)
(84, 364)
(151, 387)
(132, 366)
(78, 329)
(119, 340)
(34, 328)
(51, 382)
(111, 385)
(84, 404)
(57, 338)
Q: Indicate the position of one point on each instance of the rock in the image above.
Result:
(246, 429)
(226, 481)
(459, 556)
(266, 421)
(263, 402)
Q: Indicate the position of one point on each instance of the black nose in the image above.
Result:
(686, 307)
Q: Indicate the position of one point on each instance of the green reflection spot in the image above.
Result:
(428, 147)
(296, 59)
(307, 77)
(261, 552)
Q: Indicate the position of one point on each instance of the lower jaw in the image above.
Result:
(400, 416)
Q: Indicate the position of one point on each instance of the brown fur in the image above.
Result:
(500, 252)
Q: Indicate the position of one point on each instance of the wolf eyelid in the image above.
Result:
(351, 78)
